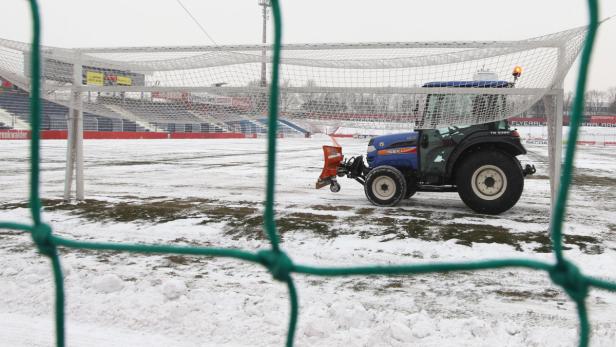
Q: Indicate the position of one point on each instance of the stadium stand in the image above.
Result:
(115, 114)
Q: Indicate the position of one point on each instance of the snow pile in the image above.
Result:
(173, 289)
(108, 283)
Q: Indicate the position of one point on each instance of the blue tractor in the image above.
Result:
(478, 161)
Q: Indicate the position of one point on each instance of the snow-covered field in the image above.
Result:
(599, 135)
(209, 193)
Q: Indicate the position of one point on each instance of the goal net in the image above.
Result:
(224, 88)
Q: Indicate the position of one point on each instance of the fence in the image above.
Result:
(562, 272)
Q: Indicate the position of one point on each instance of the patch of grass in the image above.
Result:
(248, 227)
(521, 295)
(107, 256)
(416, 227)
(467, 234)
(134, 162)
(589, 180)
(157, 211)
(587, 244)
(474, 215)
(537, 217)
(21, 248)
(251, 227)
(317, 223)
(364, 211)
(393, 284)
(316, 283)
(537, 177)
(12, 233)
(331, 208)
(402, 228)
(408, 213)
(515, 295)
(13, 206)
(103, 211)
(217, 213)
(359, 286)
(387, 223)
(177, 259)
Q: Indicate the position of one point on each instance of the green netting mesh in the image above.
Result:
(562, 272)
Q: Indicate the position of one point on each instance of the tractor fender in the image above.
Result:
(511, 146)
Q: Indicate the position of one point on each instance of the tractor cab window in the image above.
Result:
(456, 107)
(448, 106)
(464, 108)
(486, 107)
(501, 125)
(457, 132)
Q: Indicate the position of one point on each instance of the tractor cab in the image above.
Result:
(429, 152)
(440, 148)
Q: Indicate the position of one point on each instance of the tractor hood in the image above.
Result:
(397, 150)
(394, 140)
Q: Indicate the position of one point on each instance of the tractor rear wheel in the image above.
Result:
(490, 182)
(385, 186)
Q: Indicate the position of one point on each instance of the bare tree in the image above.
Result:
(594, 101)
(568, 102)
(537, 110)
(286, 98)
(611, 99)
(309, 98)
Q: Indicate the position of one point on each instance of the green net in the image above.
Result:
(562, 272)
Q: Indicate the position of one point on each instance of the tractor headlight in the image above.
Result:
(371, 149)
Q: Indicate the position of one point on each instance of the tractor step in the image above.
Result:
(429, 188)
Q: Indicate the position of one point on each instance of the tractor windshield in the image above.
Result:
(459, 106)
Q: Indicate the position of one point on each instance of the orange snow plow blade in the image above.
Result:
(333, 158)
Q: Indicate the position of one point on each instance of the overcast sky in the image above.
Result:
(86, 23)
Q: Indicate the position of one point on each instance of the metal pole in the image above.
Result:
(70, 155)
(555, 129)
(79, 185)
(78, 128)
(265, 4)
(550, 113)
(558, 137)
(74, 154)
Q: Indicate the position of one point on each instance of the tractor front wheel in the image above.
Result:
(490, 182)
(385, 186)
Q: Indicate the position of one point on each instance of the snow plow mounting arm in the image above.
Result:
(335, 166)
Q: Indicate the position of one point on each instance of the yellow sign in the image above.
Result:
(95, 78)
(124, 81)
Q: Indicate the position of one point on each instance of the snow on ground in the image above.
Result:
(600, 135)
(209, 193)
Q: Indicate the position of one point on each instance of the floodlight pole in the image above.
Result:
(264, 4)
